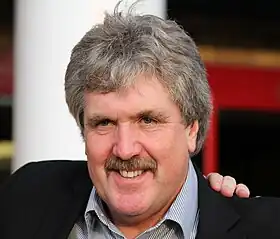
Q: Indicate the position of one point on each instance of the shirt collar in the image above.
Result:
(182, 211)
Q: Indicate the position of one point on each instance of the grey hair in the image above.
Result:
(110, 56)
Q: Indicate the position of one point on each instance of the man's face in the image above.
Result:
(141, 126)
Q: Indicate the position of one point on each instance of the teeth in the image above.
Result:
(131, 174)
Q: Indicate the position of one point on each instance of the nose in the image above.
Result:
(126, 143)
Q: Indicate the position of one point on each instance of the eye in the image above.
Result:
(103, 123)
(100, 125)
(147, 120)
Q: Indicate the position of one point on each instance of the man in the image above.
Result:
(137, 89)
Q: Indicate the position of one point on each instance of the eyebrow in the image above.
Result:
(151, 113)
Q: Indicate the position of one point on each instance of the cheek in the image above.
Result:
(170, 150)
(98, 149)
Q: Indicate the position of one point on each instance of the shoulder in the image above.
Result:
(259, 214)
(257, 205)
(37, 177)
(42, 189)
(46, 170)
(51, 166)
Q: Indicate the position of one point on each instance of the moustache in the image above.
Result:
(132, 164)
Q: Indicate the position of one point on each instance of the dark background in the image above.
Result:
(248, 140)
(233, 23)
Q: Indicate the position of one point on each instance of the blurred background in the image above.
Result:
(240, 44)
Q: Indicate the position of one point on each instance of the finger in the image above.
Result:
(215, 181)
(228, 186)
(242, 191)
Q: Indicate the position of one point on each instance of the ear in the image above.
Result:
(191, 132)
(86, 150)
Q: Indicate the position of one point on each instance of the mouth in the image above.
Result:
(131, 174)
(128, 180)
(135, 174)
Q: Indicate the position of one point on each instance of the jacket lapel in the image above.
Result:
(66, 207)
(217, 218)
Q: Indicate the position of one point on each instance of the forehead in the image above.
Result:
(145, 94)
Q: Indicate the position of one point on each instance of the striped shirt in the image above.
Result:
(180, 221)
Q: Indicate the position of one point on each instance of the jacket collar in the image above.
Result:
(217, 218)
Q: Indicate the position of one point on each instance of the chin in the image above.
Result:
(130, 205)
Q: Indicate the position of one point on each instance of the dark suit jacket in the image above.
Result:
(44, 200)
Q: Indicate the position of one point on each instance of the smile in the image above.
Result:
(135, 178)
(130, 174)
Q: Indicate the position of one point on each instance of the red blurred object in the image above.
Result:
(6, 73)
(240, 88)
